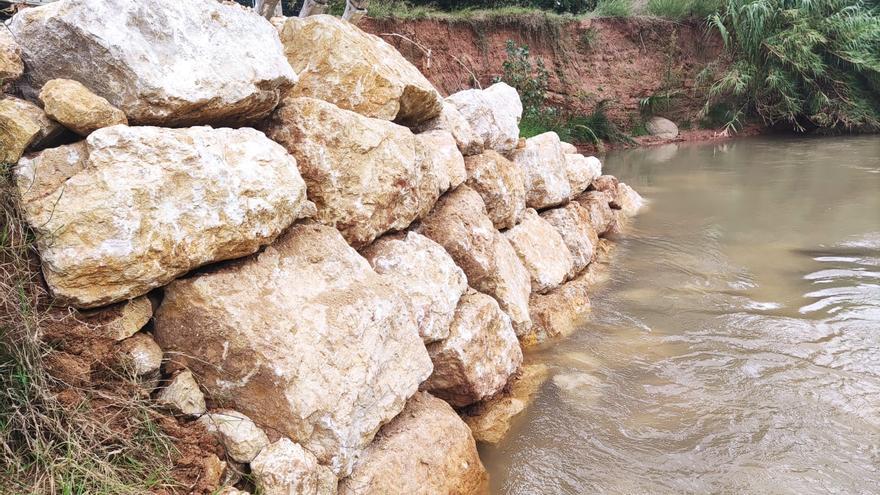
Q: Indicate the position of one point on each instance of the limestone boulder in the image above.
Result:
(238, 433)
(662, 128)
(439, 151)
(131, 208)
(559, 312)
(581, 171)
(544, 167)
(607, 184)
(493, 114)
(542, 251)
(426, 450)
(479, 355)
(339, 63)
(627, 200)
(460, 224)
(573, 224)
(162, 62)
(568, 148)
(11, 66)
(426, 274)
(17, 131)
(122, 320)
(285, 468)
(49, 131)
(305, 338)
(74, 106)
(182, 395)
(366, 176)
(450, 119)
(501, 184)
(602, 217)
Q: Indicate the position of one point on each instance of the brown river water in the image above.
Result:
(736, 347)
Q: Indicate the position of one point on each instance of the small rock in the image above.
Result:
(17, 131)
(75, 107)
(492, 113)
(479, 355)
(122, 320)
(242, 438)
(213, 471)
(573, 223)
(141, 354)
(546, 176)
(662, 128)
(501, 184)
(285, 468)
(542, 251)
(426, 450)
(428, 276)
(49, 129)
(11, 66)
(581, 171)
(182, 395)
(491, 420)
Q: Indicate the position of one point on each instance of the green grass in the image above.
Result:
(613, 8)
(682, 9)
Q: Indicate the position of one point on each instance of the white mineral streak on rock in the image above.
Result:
(493, 114)
(285, 468)
(544, 166)
(501, 184)
(581, 171)
(542, 250)
(241, 437)
(162, 62)
(131, 208)
(305, 338)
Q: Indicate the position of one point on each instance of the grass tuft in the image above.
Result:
(613, 8)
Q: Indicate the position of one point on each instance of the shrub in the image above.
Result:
(530, 80)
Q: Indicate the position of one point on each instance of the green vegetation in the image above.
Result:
(681, 9)
(613, 8)
(800, 63)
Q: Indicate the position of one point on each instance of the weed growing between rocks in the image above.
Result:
(60, 432)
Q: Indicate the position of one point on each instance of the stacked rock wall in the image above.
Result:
(353, 250)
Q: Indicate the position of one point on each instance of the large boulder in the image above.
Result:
(479, 355)
(339, 63)
(304, 338)
(73, 105)
(450, 119)
(559, 312)
(11, 66)
(366, 176)
(428, 276)
(285, 468)
(439, 151)
(627, 200)
(544, 166)
(493, 114)
(501, 184)
(581, 171)
(132, 208)
(573, 223)
(662, 128)
(598, 204)
(426, 450)
(49, 131)
(460, 224)
(162, 62)
(542, 250)
(17, 131)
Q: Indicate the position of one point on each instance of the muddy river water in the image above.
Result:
(736, 346)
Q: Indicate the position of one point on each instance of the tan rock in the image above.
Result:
(479, 355)
(573, 223)
(460, 224)
(544, 167)
(11, 66)
(241, 437)
(492, 113)
(601, 215)
(49, 129)
(131, 208)
(607, 184)
(439, 148)
(121, 320)
(74, 106)
(326, 375)
(161, 62)
(542, 251)
(426, 450)
(366, 176)
(581, 171)
(426, 274)
(491, 420)
(213, 471)
(285, 468)
(182, 395)
(339, 63)
(141, 355)
(559, 312)
(450, 119)
(501, 184)
(627, 200)
(17, 131)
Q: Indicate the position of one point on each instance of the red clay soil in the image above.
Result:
(589, 60)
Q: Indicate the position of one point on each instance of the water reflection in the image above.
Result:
(736, 348)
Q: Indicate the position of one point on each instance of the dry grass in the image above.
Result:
(56, 436)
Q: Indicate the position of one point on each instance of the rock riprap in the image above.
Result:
(542, 250)
(572, 221)
(544, 166)
(581, 171)
(426, 450)
(478, 356)
(460, 224)
(339, 63)
(305, 338)
(493, 114)
(501, 184)
(450, 119)
(428, 276)
(74, 106)
(285, 468)
(366, 176)
(439, 151)
(162, 62)
(131, 208)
